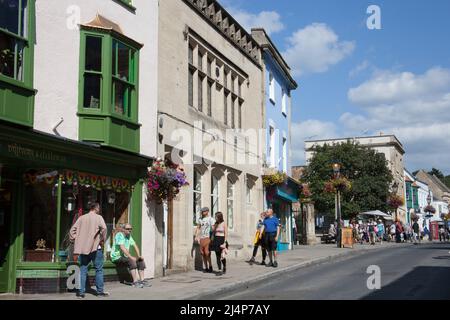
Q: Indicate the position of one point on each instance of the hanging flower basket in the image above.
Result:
(341, 184)
(274, 179)
(395, 201)
(429, 209)
(165, 179)
(305, 194)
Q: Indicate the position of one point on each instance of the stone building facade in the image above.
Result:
(210, 112)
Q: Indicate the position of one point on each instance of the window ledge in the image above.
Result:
(18, 84)
(87, 113)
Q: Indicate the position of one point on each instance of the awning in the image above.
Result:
(377, 213)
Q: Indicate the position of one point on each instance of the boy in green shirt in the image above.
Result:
(120, 254)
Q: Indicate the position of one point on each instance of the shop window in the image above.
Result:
(114, 208)
(39, 241)
(77, 191)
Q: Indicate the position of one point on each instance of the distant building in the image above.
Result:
(389, 145)
(440, 190)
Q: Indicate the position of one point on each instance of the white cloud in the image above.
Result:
(315, 48)
(388, 88)
(308, 130)
(269, 20)
(414, 107)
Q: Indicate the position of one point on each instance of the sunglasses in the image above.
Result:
(129, 229)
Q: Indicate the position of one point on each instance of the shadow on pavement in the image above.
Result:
(423, 283)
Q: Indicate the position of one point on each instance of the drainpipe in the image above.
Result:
(164, 244)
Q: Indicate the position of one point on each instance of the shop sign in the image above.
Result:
(28, 153)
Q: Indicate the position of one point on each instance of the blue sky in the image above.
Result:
(355, 81)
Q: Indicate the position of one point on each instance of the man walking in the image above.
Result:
(271, 230)
(89, 234)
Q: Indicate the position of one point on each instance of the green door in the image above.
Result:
(6, 254)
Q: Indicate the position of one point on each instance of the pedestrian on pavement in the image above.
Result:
(259, 241)
(220, 232)
(89, 235)
(294, 230)
(392, 230)
(416, 234)
(441, 234)
(271, 231)
(203, 236)
(372, 232)
(398, 231)
(381, 231)
(121, 255)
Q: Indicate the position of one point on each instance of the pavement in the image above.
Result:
(195, 285)
(408, 272)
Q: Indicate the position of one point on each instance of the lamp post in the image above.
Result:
(337, 171)
(395, 191)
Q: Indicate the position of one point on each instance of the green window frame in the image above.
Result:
(116, 76)
(16, 41)
(109, 88)
(17, 38)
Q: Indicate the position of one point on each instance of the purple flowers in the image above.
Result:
(165, 180)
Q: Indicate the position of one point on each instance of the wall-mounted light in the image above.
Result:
(111, 198)
(70, 203)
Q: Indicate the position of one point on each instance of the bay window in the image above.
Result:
(108, 107)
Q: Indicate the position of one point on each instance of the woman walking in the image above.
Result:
(219, 242)
(257, 242)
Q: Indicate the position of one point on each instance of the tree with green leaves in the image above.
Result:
(367, 171)
(438, 173)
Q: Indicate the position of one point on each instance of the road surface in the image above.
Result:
(406, 272)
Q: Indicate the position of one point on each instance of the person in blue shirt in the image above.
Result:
(271, 231)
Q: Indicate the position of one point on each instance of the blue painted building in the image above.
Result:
(278, 85)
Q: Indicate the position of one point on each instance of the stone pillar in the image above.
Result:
(310, 224)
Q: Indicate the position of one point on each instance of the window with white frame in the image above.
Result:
(284, 160)
(271, 146)
(283, 102)
(197, 190)
(214, 194)
(230, 203)
(272, 87)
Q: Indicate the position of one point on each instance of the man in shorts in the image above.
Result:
(121, 254)
(271, 231)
